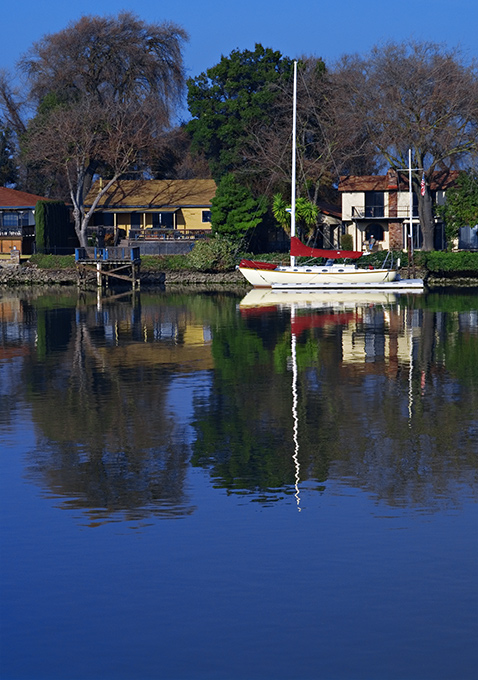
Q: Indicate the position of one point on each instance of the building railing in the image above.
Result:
(374, 212)
(150, 233)
(18, 231)
(109, 254)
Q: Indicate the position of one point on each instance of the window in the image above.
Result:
(10, 219)
(374, 204)
(206, 216)
(135, 220)
(415, 205)
(163, 220)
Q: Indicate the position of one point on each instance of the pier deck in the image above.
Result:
(119, 263)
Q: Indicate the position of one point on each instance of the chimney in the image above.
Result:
(392, 179)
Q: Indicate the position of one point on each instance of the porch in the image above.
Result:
(20, 238)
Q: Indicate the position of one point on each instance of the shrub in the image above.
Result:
(442, 262)
(215, 254)
(347, 242)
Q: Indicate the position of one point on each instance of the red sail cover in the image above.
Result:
(298, 249)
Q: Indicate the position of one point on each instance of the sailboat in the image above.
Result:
(331, 275)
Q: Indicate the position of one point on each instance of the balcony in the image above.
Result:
(380, 213)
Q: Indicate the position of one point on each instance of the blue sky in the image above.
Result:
(324, 29)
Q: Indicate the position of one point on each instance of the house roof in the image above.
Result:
(11, 198)
(440, 180)
(159, 194)
(330, 209)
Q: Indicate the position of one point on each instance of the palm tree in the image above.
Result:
(306, 214)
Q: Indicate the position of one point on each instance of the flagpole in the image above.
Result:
(410, 197)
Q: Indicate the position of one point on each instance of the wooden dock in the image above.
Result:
(108, 265)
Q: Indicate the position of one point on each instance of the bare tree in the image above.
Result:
(105, 91)
(323, 151)
(415, 96)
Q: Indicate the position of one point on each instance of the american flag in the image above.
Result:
(422, 185)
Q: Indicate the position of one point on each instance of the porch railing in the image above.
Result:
(18, 231)
(109, 254)
(150, 234)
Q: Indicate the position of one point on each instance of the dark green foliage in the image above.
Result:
(8, 171)
(229, 98)
(347, 242)
(53, 229)
(216, 254)
(461, 207)
(458, 264)
(234, 211)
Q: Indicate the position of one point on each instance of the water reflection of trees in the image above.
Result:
(98, 389)
(387, 399)
(397, 419)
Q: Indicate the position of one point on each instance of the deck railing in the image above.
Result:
(110, 254)
(152, 234)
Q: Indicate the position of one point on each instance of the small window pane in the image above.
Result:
(10, 219)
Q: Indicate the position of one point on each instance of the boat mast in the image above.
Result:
(410, 196)
(293, 178)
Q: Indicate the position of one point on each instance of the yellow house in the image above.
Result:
(154, 209)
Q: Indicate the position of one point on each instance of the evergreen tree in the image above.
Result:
(227, 100)
(235, 213)
(8, 171)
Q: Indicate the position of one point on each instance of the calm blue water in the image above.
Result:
(193, 487)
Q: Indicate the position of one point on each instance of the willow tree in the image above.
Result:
(105, 90)
(413, 95)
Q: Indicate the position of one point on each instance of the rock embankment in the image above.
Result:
(24, 275)
(13, 275)
(188, 277)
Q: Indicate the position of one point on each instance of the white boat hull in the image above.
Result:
(317, 277)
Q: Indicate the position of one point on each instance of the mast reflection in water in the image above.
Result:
(155, 455)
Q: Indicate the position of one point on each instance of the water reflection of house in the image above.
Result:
(154, 336)
(16, 339)
(377, 336)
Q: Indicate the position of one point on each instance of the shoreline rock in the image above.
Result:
(18, 275)
(13, 275)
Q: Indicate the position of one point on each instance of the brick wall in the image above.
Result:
(395, 235)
